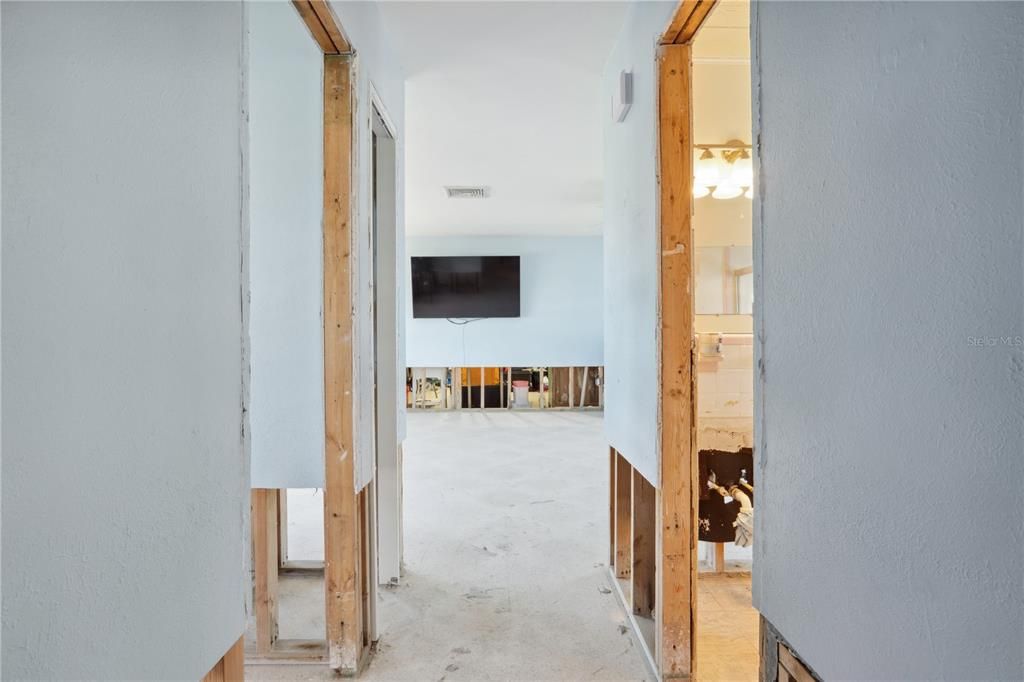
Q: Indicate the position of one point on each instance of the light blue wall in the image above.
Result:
(631, 245)
(124, 453)
(890, 309)
(560, 305)
(285, 249)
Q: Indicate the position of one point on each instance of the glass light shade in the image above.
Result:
(727, 190)
(700, 191)
(749, 193)
(742, 173)
(707, 169)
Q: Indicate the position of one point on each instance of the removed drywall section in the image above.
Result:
(631, 244)
(286, 247)
(890, 289)
(560, 321)
(125, 480)
(377, 74)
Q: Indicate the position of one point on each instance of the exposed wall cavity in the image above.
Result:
(631, 243)
(124, 473)
(888, 249)
(561, 314)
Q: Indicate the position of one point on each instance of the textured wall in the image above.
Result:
(124, 473)
(890, 540)
(631, 244)
(286, 249)
(560, 307)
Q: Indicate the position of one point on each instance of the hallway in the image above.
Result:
(505, 550)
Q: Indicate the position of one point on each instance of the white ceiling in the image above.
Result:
(507, 95)
(725, 35)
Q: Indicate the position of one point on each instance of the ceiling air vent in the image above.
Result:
(467, 192)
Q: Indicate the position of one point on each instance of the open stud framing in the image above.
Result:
(663, 576)
(348, 542)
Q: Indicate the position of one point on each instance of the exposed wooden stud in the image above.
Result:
(600, 387)
(482, 382)
(231, 666)
(323, 25)
(583, 388)
(572, 388)
(342, 574)
(677, 503)
(444, 388)
(644, 518)
(790, 667)
(623, 517)
(265, 566)
(718, 558)
(686, 21)
(330, 22)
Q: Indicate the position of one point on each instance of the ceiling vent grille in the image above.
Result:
(467, 192)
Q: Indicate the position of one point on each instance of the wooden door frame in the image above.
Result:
(668, 571)
(348, 524)
(678, 495)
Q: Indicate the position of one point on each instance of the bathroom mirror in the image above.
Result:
(724, 280)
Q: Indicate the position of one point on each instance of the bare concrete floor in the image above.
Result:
(506, 525)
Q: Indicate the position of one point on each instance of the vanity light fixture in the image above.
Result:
(723, 171)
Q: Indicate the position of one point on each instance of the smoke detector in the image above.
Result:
(467, 192)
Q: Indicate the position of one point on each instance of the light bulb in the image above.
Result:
(707, 169)
(727, 190)
(742, 171)
(700, 191)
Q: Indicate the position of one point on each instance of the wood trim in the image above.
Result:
(294, 650)
(231, 666)
(686, 21)
(323, 25)
(644, 557)
(265, 566)
(677, 502)
(342, 570)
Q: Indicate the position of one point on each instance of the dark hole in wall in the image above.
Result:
(716, 516)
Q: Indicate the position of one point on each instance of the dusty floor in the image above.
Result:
(727, 628)
(505, 549)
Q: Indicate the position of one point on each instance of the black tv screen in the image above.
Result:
(465, 286)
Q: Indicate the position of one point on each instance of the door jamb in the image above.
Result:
(348, 547)
(678, 496)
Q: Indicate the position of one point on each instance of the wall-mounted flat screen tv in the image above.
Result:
(465, 287)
